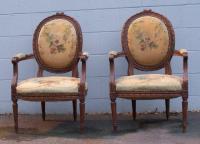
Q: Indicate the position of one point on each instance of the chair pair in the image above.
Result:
(148, 44)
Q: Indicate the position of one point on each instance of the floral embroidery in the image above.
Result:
(56, 41)
(148, 40)
(145, 41)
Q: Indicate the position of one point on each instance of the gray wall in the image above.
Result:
(101, 22)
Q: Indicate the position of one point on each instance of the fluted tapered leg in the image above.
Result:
(74, 109)
(185, 112)
(134, 109)
(15, 114)
(43, 110)
(167, 105)
(82, 115)
(114, 114)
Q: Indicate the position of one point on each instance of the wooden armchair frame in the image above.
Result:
(80, 56)
(147, 95)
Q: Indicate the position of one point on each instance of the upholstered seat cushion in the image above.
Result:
(50, 84)
(149, 82)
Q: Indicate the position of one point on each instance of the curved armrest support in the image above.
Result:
(15, 60)
(184, 54)
(83, 57)
(185, 71)
(112, 56)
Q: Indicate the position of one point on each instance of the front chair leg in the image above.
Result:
(114, 114)
(15, 114)
(75, 109)
(167, 105)
(185, 110)
(134, 109)
(43, 110)
(82, 115)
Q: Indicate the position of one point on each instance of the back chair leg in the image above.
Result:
(185, 111)
(43, 110)
(167, 105)
(75, 109)
(15, 114)
(82, 115)
(134, 109)
(114, 114)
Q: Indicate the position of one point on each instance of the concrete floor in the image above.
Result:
(60, 129)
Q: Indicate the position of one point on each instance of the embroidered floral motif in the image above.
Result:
(148, 40)
(56, 41)
(145, 41)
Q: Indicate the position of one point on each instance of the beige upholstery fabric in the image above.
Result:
(182, 51)
(112, 53)
(149, 82)
(57, 43)
(49, 85)
(148, 40)
(20, 55)
(86, 54)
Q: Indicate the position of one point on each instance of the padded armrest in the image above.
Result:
(21, 56)
(114, 54)
(84, 56)
(182, 51)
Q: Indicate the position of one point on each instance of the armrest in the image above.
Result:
(181, 52)
(83, 57)
(112, 56)
(21, 56)
(184, 54)
(15, 60)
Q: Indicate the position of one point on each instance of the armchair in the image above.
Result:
(148, 43)
(57, 48)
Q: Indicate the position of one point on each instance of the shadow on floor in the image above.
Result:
(96, 126)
